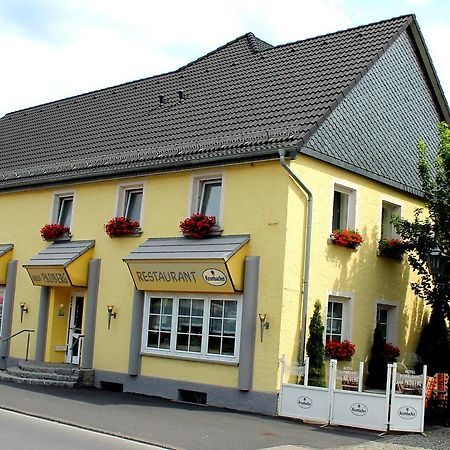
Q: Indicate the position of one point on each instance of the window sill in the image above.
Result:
(330, 241)
(64, 237)
(192, 358)
(392, 258)
(138, 233)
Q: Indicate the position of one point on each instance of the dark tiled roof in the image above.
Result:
(241, 101)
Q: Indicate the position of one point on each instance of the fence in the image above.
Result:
(399, 407)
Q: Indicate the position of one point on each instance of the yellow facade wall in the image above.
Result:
(259, 199)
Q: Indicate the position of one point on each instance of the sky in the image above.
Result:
(52, 49)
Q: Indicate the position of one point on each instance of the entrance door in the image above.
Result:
(74, 343)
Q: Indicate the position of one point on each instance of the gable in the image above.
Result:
(374, 131)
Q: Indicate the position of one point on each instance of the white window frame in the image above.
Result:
(203, 355)
(2, 293)
(347, 312)
(122, 192)
(392, 319)
(350, 190)
(197, 184)
(396, 209)
(58, 197)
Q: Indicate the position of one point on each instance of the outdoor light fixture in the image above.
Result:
(23, 309)
(111, 313)
(263, 323)
(437, 263)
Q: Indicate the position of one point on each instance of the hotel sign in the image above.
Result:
(177, 276)
(48, 276)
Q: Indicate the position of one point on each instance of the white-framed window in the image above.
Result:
(344, 208)
(388, 210)
(192, 326)
(130, 201)
(386, 318)
(63, 209)
(338, 318)
(207, 196)
(2, 297)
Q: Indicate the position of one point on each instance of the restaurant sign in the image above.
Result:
(48, 276)
(189, 276)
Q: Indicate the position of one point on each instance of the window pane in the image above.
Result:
(167, 306)
(196, 326)
(152, 340)
(216, 308)
(195, 344)
(215, 326)
(210, 198)
(164, 341)
(184, 307)
(153, 323)
(155, 305)
(229, 327)
(228, 346)
(214, 345)
(159, 325)
(133, 201)
(182, 342)
(197, 308)
(183, 324)
(337, 309)
(230, 310)
(166, 323)
(65, 211)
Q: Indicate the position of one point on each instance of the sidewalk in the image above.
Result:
(192, 427)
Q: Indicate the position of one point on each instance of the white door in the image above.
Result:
(74, 342)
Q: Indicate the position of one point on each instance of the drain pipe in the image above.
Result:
(309, 208)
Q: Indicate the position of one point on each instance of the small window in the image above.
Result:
(209, 197)
(64, 210)
(387, 320)
(335, 321)
(388, 210)
(133, 203)
(343, 208)
(382, 321)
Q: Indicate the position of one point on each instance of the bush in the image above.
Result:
(315, 348)
(377, 368)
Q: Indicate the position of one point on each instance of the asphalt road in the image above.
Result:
(21, 432)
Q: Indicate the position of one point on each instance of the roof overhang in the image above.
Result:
(62, 264)
(5, 257)
(213, 264)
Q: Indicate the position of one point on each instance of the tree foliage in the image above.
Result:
(431, 229)
(377, 367)
(315, 348)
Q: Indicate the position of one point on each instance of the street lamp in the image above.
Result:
(437, 263)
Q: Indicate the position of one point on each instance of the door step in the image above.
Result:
(47, 374)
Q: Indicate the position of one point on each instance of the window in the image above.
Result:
(338, 321)
(199, 327)
(387, 211)
(386, 318)
(382, 321)
(207, 196)
(63, 207)
(2, 296)
(133, 202)
(343, 208)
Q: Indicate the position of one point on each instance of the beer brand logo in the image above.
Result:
(304, 402)
(407, 412)
(358, 409)
(214, 277)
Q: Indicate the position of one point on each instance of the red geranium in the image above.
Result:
(340, 350)
(391, 351)
(53, 231)
(346, 238)
(198, 225)
(121, 226)
(391, 248)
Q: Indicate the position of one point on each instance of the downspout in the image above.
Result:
(309, 208)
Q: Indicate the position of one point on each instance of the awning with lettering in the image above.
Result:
(64, 263)
(5, 256)
(213, 264)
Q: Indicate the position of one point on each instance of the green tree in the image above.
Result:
(377, 367)
(315, 348)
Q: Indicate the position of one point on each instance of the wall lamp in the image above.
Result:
(111, 313)
(23, 309)
(263, 323)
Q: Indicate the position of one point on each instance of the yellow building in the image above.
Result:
(282, 145)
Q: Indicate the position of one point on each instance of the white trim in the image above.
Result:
(203, 355)
(120, 199)
(347, 300)
(54, 212)
(194, 193)
(392, 326)
(352, 191)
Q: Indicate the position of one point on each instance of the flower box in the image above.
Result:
(346, 238)
(391, 248)
(55, 232)
(342, 351)
(199, 226)
(121, 226)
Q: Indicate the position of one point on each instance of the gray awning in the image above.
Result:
(60, 254)
(4, 248)
(217, 248)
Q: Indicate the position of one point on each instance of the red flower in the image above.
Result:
(340, 350)
(198, 225)
(121, 226)
(346, 238)
(391, 248)
(391, 351)
(53, 231)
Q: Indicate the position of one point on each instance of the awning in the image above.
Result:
(5, 256)
(64, 263)
(214, 264)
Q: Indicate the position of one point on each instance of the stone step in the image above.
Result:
(59, 369)
(18, 372)
(5, 376)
